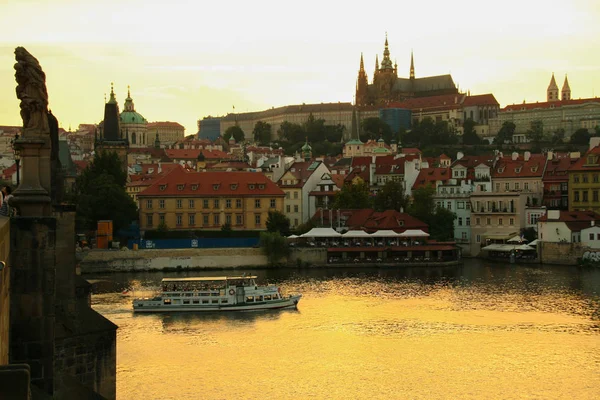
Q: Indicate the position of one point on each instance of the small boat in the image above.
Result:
(228, 293)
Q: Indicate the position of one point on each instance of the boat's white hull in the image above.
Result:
(289, 302)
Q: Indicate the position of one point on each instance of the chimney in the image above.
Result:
(527, 155)
(459, 155)
(159, 167)
(592, 223)
(575, 155)
(553, 214)
(515, 156)
(594, 142)
(372, 167)
(550, 155)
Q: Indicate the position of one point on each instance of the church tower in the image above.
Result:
(566, 90)
(552, 92)
(111, 138)
(361, 85)
(412, 66)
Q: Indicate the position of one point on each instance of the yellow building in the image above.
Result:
(584, 182)
(184, 200)
(168, 132)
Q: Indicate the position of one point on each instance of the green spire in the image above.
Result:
(112, 99)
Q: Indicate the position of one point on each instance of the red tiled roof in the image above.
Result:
(239, 165)
(192, 154)
(582, 163)
(480, 100)
(575, 220)
(506, 167)
(80, 164)
(212, 184)
(410, 150)
(338, 180)
(548, 104)
(301, 172)
(164, 124)
(429, 176)
(557, 168)
(444, 157)
(474, 161)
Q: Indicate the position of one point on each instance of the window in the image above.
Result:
(296, 208)
(191, 204)
(161, 204)
(449, 205)
(180, 187)
(463, 235)
(288, 208)
(257, 219)
(595, 195)
(205, 219)
(216, 186)
(179, 219)
(477, 221)
(179, 203)
(488, 221)
(149, 219)
(468, 205)
(576, 195)
(216, 203)
(511, 221)
(517, 186)
(468, 221)
(233, 186)
(238, 219)
(257, 203)
(287, 195)
(272, 205)
(228, 203)
(585, 195)
(526, 186)
(161, 218)
(460, 204)
(507, 186)
(295, 221)
(576, 178)
(148, 203)
(497, 187)
(192, 219)
(238, 203)
(162, 187)
(460, 221)
(584, 178)
(228, 219)
(216, 220)
(195, 187)
(478, 238)
(499, 221)
(205, 203)
(295, 195)
(591, 236)
(595, 178)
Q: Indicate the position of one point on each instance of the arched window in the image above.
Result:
(133, 138)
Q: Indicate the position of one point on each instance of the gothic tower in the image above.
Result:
(361, 85)
(552, 92)
(111, 136)
(566, 90)
(412, 66)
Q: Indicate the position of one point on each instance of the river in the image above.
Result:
(476, 331)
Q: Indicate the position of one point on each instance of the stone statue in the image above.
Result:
(31, 90)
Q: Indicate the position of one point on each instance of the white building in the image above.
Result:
(570, 227)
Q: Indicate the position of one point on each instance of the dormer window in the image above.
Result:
(518, 170)
(194, 187)
(216, 186)
(233, 186)
(534, 169)
(261, 186)
(591, 160)
(162, 187)
(251, 187)
(500, 170)
(180, 187)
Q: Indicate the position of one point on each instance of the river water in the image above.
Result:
(477, 331)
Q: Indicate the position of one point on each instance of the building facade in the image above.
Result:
(584, 182)
(168, 132)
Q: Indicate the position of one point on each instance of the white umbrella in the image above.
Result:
(356, 234)
(516, 239)
(534, 243)
(293, 237)
(414, 233)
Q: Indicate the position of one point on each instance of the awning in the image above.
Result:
(517, 239)
(293, 237)
(414, 233)
(356, 234)
(534, 243)
(499, 247)
(321, 233)
(524, 247)
(498, 235)
(387, 233)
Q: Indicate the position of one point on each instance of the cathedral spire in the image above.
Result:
(362, 63)
(566, 90)
(386, 63)
(129, 106)
(552, 91)
(412, 66)
(112, 99)
(376, 63)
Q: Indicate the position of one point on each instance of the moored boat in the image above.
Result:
(227, 293)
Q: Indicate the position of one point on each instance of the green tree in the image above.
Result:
(278, 222)
(274, 246)
(469, 134)
(422, 205)
(391, 197)
(558, 136)
(314, 129)
(291, 132)
(262, 133)
(580, 137)
(234, 131)
(535, 133)
(353, 196)
(506, 133)
(334, 133)
(441, 224)
(439, 220)
(375, 128)
(226, 229)
(529, 234)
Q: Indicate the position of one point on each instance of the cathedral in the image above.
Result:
(387, 87)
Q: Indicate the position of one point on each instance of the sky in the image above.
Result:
(185, 60)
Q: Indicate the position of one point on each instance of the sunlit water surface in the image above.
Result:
(478, 331)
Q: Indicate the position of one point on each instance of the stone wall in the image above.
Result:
(307, 255)
(4, 289)
(96, 261)
(560, 253)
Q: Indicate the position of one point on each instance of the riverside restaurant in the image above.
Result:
(382, 246)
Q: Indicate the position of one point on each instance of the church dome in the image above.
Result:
(306, 147)
(132, 117)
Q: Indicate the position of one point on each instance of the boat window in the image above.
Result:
(189, 294)
(140, 304)
(267, 297)
(186, 302)
(259, 298)
(224, 301)
(204, 301)
(167, 301)
(215, 301)
(275, 296)
(249, 299)
(214, 294)
(176, 301)
(204, 294)
(196, 301)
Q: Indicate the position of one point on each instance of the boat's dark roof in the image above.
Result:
(207, 278)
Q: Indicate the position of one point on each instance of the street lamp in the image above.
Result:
(17, 154)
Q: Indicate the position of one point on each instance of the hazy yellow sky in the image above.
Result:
(188, 59)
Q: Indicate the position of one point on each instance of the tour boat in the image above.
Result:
(228, 293)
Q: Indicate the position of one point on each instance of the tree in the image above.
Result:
(274, 246)
(422, 204)
(506, 132)
(334, 133)
(278, 222)
(441, 224)
(529, 234)
(353, 196)
(262, 133)
(535, 133)
(314, 129)
(375, 128)
(558, 136)
(234, 131)
(580, 137)
(439, 219)
(291, 132)
(391, 197)
(469, 134)
(226, 229)
(100, 194)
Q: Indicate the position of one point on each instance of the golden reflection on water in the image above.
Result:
(356, 338)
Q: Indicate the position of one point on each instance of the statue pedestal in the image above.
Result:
(30, 198)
